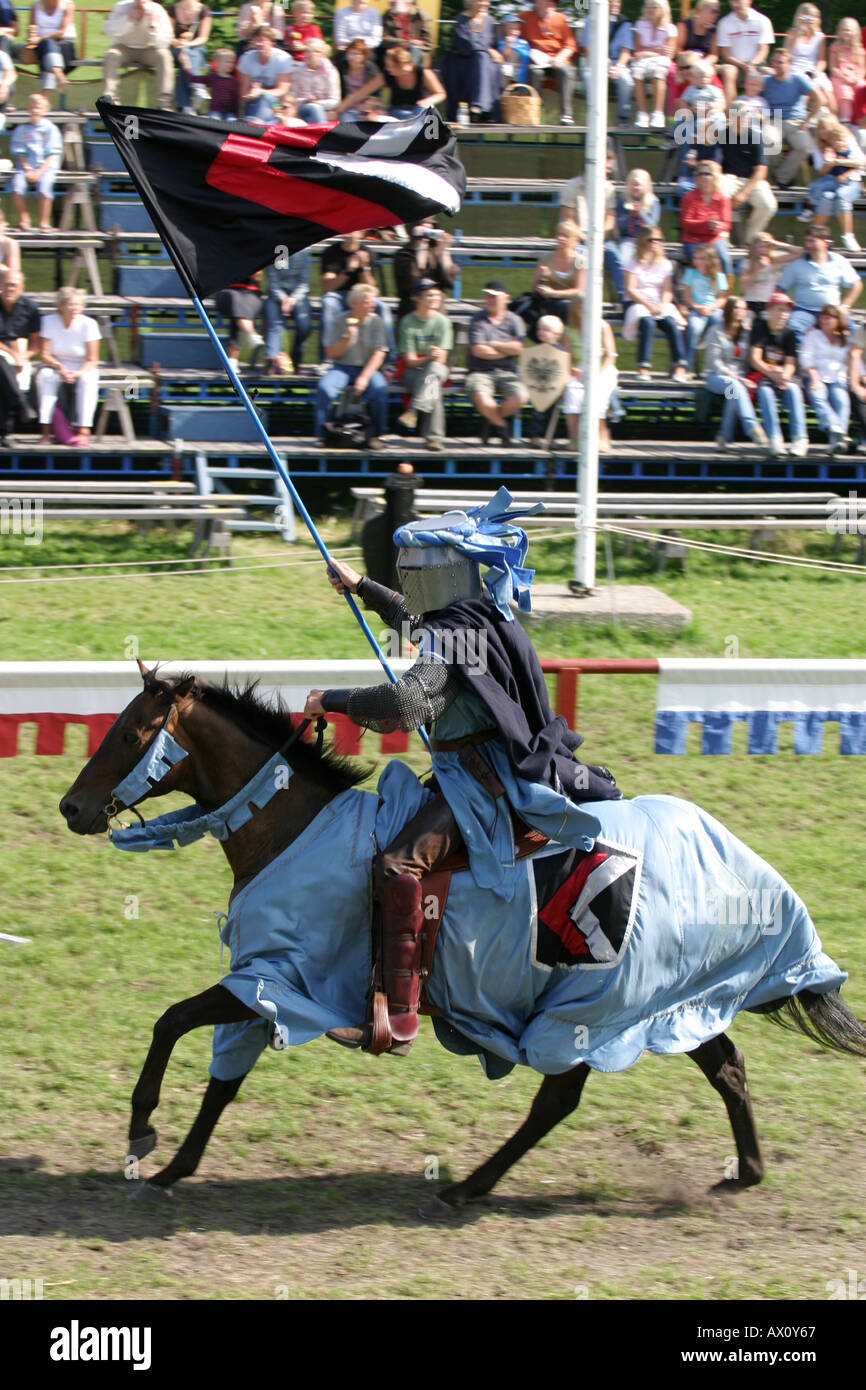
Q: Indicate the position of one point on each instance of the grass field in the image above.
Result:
(311, 1182)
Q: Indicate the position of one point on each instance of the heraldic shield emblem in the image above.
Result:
(544, 369)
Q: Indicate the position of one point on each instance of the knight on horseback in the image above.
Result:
(500, 755)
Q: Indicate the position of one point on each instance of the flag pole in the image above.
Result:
(293, 492)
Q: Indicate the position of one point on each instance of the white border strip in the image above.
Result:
(733, 685)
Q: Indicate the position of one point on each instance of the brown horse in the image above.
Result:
(222, 739)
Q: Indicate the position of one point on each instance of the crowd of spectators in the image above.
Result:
(746, 113)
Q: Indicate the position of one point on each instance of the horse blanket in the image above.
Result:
(653, 939)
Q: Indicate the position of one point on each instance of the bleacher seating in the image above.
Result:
(173, 401)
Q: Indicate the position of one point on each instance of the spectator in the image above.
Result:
(224, 86)
(288, 298)
(357, 347)
(705, 215)
(405, 24)
(514, 50)
(818, 277)
(37, 149)
(745, 165)
(8, 28)
(359, 78)
(412, 86)
(773, 353)
(743, 40)
(192, 25)
(573, 203)
(300, 29)
(426, 256)
(268, 14)
(264, 73)
(847, 65)
(857, 377)
(838, 160)
(495, 339)
(241, 304)
(286, 112)
(702, 98)
(760, 274)
(10, 255)
(141, 34)
(548, 330)
(70, 354)
(357, 20)
(696, 33)
(315, 84)
(19, 343)
(572, 403)
(424, 340)
(620, 51)
(649, 289)
(637, 207)
(192, 21)
(824, 354)
(52, 34)
(655, 40)
(682, 75)
(552, 52)
(704, 292)
(698, 142)
(725, 367)
(8, 78)
(786, 95)
(346, 264)
(471, 68)
(857, 122)
(805, 43)
(559, 277)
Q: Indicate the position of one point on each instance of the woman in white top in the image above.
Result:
(70, 354)
(51, 34)
(315, 84)
(824, 362)
(807, 45)
(649, 287)
(655, 41)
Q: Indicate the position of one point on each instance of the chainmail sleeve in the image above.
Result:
(422, 695)
(390, 606)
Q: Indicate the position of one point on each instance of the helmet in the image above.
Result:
(432, 576)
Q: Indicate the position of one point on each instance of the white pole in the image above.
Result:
(595, 175)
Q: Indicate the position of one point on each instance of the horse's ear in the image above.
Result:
(183, 689)
(146, 676)
(152, 684)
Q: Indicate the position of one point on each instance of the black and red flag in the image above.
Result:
(226, 198)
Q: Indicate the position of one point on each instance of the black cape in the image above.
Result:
(511, 684)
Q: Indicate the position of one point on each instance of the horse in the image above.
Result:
(278, 804)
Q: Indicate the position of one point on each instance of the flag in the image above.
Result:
(230, 199)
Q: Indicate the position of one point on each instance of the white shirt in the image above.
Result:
(153, 30)
(69, 345)
(830, 359)
(743, 37)
(350, 24)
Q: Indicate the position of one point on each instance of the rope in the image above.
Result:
(712, 547)
(196, 560)
(164, 574)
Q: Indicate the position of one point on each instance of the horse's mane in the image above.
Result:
(270, 722)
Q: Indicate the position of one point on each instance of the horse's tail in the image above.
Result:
(822, 1017)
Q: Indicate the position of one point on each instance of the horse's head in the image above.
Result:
(90, 801)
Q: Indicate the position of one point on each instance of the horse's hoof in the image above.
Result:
(140, 1147)
(735, 1185)
(437, 1210)
(146, 1192)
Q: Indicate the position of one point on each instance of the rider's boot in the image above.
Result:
(421, 846)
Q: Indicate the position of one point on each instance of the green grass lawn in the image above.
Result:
(322, 1160)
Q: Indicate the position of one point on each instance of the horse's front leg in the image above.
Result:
(186, 1160)
(215, 1005)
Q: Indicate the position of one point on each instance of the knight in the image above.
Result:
(499, 753)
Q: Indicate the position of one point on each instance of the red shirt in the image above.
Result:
(696, 214)
(296, 46)
(858, 109)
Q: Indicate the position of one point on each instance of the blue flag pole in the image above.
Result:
(284, 474)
